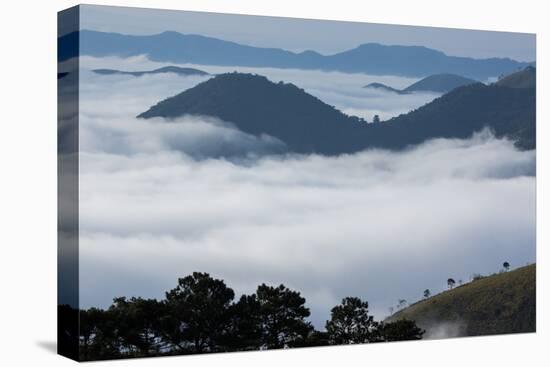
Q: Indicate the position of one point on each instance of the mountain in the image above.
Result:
(371, 58)
(441, 83)
(305, 124)
(526, 78)
(508, 112)
(167, 69)
(257, 106)
(497, 304)
(384, 87)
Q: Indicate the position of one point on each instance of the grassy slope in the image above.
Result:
(498, 304)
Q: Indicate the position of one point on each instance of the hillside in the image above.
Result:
(508, 112)
(371, 58)
(498, 304)
(441, 83)
(167, 69)
(526, 78)
(305, 124)
(257, 106)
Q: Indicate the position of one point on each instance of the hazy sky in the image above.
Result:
(326, 37)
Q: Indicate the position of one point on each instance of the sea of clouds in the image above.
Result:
(160, 200)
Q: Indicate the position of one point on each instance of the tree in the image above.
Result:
(451, 283)
(282, 315)
(427, 293)
(99, 335)
(506, 265)
(391, 310)
(138, 325)
(400, 330)
(350, 323)
(401, 303)
(245, 330)
(197, 315)
(376, 119)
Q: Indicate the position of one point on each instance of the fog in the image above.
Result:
(344, 91)
(159, 201)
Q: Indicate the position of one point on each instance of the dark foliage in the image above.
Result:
(400, 330)
(200, 316)
(350, 323)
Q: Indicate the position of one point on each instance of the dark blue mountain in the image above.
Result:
(305, 124)
(166, 69)
(439, 83)
(368, 58)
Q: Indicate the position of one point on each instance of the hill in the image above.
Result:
(498, 304)
(305, 124)
(257, 106)
(371, 58)
(526, 78)
(384, 87)
(167, 69)
(508, 112)
(441, 83)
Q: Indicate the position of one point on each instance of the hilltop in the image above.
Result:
(498, 304)
(526, 78)
(441, 83)
(166, 69)
(438, 83)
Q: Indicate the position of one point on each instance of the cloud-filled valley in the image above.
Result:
(158, 200)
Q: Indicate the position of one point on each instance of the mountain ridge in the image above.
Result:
(306, 124)
(370, 58)
(439, 83)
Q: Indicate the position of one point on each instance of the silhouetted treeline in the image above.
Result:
(201, 315)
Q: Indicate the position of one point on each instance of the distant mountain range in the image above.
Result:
(305, 124)
(167, 69)
(439, 83)
(371, 58)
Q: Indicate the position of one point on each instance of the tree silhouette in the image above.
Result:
(451, 283)
(282, 315)
(198, 313)
(200, 316)
(376, 119)
(350, 323)
(401, 303)
(427, 293)
(245, 327)
(506, 265)
(400, 330)
(138, 324)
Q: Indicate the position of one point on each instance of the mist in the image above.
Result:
(160, 200)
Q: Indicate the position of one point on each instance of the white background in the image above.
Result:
(28, 181)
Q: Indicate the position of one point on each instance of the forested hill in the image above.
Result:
(305, 124)
(508, 112)
(497, 304)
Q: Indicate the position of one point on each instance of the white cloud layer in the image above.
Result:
(379, 225)
(344, 91)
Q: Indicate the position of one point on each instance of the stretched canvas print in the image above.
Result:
(242, 183)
